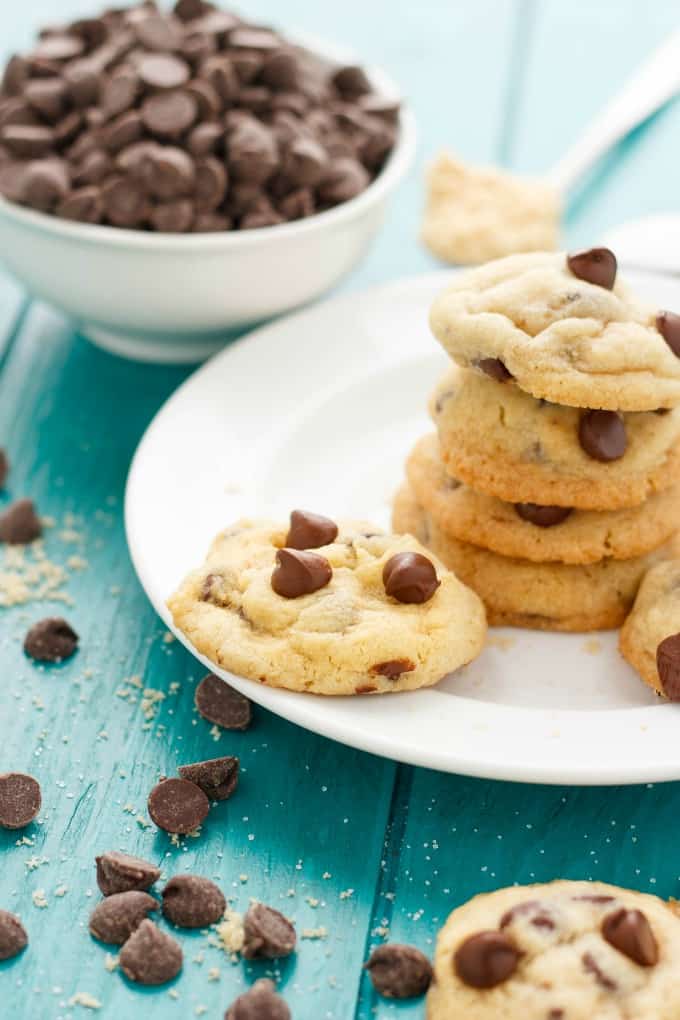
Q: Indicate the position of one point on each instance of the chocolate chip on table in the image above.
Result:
(494, 368)
(298, 573)
(409, 577)
(399, 972)
(190, 901)
(177, 806)
(261, 1002)
(310, 531)
(19, 523)
(486, 959)
(219, 703)
(668, 324)
(51, 640)
(13, 937)
(117, 916)
(150, 956)
(20, 800)
(118, 872)
(602, 435)
(217, 777)
(268, 935)
(668, 666)
(594, 265)
(542, 516)
(4, 467)
(629, 931)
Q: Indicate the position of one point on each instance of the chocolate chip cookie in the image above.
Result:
(355, 611)
(650, 637)
(562, 328)
(561, 951)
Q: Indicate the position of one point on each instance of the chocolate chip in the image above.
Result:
(45, 184)
(254, 39)
(123, 130)
(344, 179)
(205, 139)
(211, 183)
(410, 577)
(174, 173)
(20, 800)
(47, 96)
(591, 965)
(668, 666)
(116, 917)
(351, 81)
(393, 668)
(629, 931)
(280, 70)
(268, 935)
(118, 93)
(251, 151)
(219, 703)
(163, 71)
(190, 901)
(158, 32)
(83, 205)
(494, 368)
(13, 937)
(27, 141)
(310, 531)
(118, 873)
(20, 524)
(175, 217)
(217, 777)
(531, 909)
(594, 265)
(169, 114)
(486, 959)
(52, 639)
(299, 573)
(15, 76)
(219, 71)
(177, 805)
(59, 47)
(4, 467)
(399, 972)
(305, 162)
(602, 435)
(668, 324)
(542, 516)
(150, 957)
(260, 1002)
(125, 202)
(208, 102)
(297, 205)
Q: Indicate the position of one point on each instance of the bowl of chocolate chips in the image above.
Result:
(170, 175)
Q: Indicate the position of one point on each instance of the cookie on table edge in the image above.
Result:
(650, 637)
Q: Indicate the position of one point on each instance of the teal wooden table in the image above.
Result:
(355, 848)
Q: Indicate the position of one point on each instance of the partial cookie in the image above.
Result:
(560, 951)
(536, 596)
(533, 532)
(498, 439)
(365, 613)
(650, 637)
(560, 335)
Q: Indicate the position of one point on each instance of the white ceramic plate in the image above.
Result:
(319, 410)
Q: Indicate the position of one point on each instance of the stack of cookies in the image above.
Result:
(553, 479)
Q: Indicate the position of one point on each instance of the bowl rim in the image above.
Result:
(389, 176)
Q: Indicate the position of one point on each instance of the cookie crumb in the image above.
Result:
(85, 1000)
(592, 646)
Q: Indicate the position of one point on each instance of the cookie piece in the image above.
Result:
(559, 336)
(650, 637)
(498, 439)
(347, 637)
(537, 533)
(556, 951)
(535, 596)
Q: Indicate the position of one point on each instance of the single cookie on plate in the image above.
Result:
(560, 951)
(502, 441)
(650, 637)
(536, 596)
(537, 532)
(329, 609)
(564, 329)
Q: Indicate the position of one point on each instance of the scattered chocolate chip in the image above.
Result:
(51, 640)
(13, 937)
(668, 324)
(494, 368)
(219, 703)
(410, 577)
(4, 467)
(591, 965)
(486, 959)
(542, 516)
(594, 265)
(299, 573)
(20, 524)
(118, 873)
(260, 1002)
(399, 972)
(116, 917)
(268, 935)
(310, 531)
(190, 901)
(217, 777)
(20, 800)
(176, 805)
(668, 666)
(602, 435)
(393, 668)
(150, 957)
(629, 931)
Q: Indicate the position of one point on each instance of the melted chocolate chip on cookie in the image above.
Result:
(668, 666)
(494, 368)
(486, 959)
(542, 516)
(299, 573)
(668, 324)
(602, 435)
(310, 531)
(594, 265)
(629, 931)
(410, 577)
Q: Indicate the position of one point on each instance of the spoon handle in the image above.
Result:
(655, 82)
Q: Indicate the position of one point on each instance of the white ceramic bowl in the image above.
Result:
(174, 297)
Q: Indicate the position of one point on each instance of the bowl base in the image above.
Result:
(166, 348)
